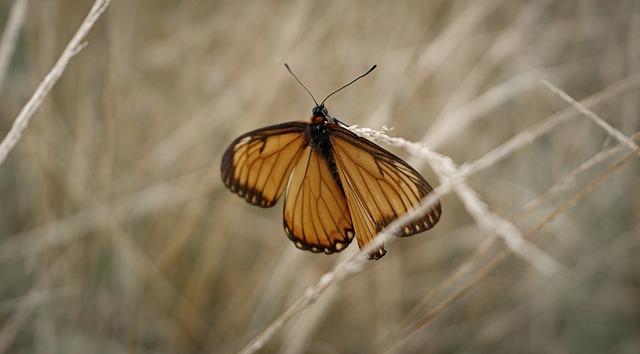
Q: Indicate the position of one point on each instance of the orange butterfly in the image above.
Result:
(336, 182)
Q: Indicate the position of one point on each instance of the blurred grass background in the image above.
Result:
(117, 234)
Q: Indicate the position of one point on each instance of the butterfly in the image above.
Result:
(336, 184)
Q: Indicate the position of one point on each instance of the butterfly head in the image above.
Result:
(319, 114)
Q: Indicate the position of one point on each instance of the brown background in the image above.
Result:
(117, 234)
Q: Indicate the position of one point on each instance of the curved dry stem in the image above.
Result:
(22, 121)
(494, 262)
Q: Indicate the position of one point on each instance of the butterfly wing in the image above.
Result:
(257, 165)
(379, 187)
(316, 215)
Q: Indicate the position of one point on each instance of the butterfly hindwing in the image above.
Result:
(379, 187)
(257, 164)
(316, 215)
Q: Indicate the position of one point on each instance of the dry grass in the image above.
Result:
(117, 235)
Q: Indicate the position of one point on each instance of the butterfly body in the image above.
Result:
(337, 185)
(319, 131)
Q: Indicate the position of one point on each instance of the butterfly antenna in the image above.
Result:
(354, 80)
(301, 84)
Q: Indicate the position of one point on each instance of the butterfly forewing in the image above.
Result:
(257, 165)
(379, 187)
(316, 215)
